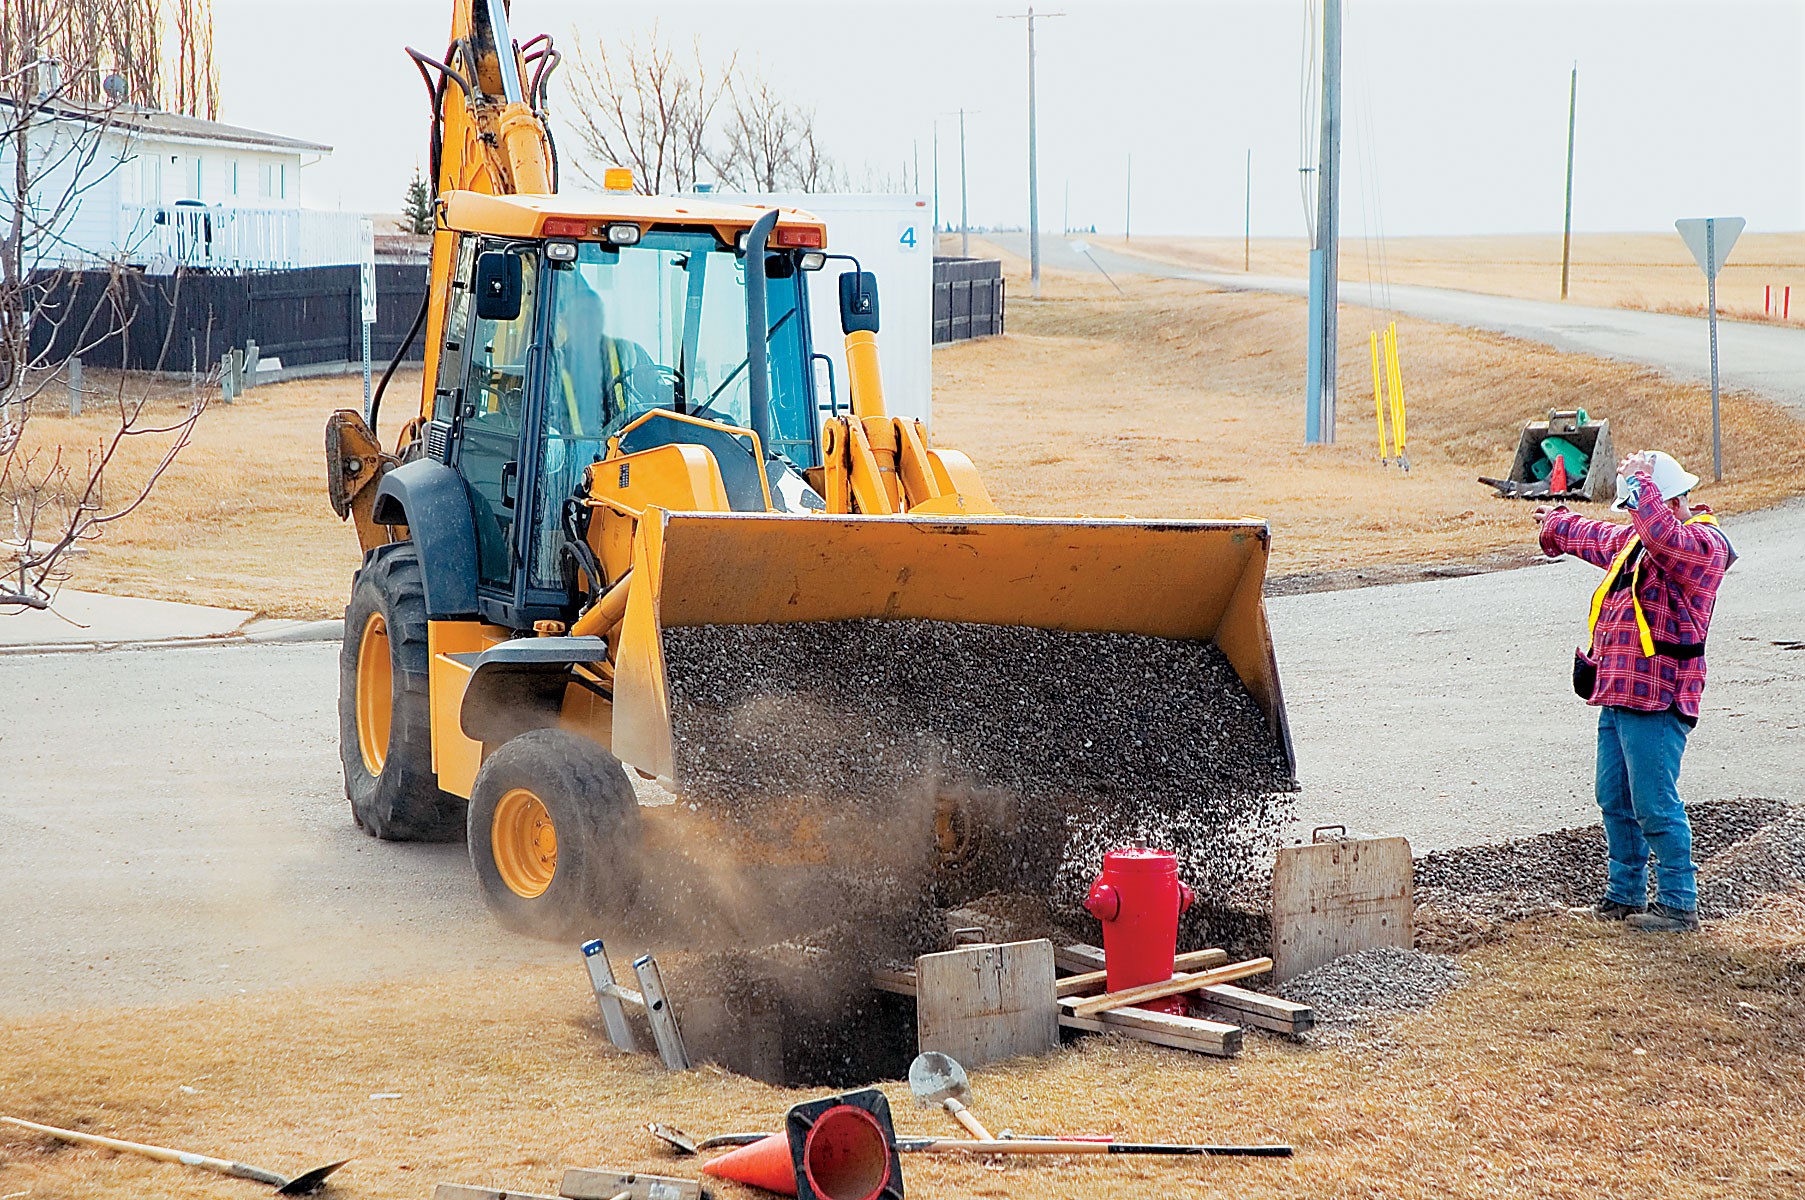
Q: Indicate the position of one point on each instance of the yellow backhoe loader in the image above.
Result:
(622, 432)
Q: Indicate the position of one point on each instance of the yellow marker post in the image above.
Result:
(1399, 429)
(1379, 402)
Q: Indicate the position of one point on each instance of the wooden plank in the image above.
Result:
(1244, 1007)
(608, 996)
(982, 1004)
(1333, 898)
(1090, 981)
(894, 980)
(1085, 1006)
(583, 1184)
(1079, 956)
(1163, 1029)
(463, 1191)
(661, 1016)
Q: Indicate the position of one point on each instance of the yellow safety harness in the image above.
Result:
(1610, 578)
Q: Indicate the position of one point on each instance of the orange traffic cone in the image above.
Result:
(766, 1164)
(1557, 478)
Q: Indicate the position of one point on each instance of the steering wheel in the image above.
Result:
(647, 386)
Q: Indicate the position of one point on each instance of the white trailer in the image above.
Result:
(893, 237)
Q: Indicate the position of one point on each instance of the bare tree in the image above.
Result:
(640, 105)
(768, 142)
(59, 148)
(161, 50)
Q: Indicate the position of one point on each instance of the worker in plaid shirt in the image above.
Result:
(1645, 671)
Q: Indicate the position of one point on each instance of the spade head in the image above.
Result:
(673, 1137)
(309, 1182)
(936, 1078)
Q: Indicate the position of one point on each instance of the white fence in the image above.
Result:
(163, 237)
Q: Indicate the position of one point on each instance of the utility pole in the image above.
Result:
(1319, 399)
(1128, 201)
(964, 219)
(1033, 159)
(936, 178)
(916, 143)
(1567, 224)
(1247, 218)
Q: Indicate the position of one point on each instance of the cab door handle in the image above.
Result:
(510, 483)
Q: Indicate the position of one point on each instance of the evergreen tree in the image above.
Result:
(416, 208)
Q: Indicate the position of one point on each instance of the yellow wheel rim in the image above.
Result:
(525, 843)
(375, 693)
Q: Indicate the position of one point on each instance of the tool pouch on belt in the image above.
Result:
(1585, 675)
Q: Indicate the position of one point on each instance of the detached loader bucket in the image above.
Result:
(1193, 580)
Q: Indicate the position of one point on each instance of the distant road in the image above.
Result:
(1766, 359)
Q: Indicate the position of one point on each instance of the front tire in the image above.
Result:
(385, 712)
(554, 835)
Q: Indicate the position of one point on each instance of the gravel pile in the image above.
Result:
(1744, 847)
(1081, 741)
(1772, 860)
(1567, 867)
(1385, 979)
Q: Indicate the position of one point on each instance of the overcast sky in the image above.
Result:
(1455, 111)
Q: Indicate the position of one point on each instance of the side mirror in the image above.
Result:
(497, 286)
(858, 302)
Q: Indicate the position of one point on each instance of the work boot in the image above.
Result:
(1663, 918)
(1615, 910)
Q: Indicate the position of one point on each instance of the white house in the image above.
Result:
(120, 183)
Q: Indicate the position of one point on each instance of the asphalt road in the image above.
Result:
(173, 824)
(1768, 359)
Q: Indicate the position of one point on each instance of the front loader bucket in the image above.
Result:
(1198, 580)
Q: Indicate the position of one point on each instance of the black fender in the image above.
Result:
(429, 498)
(519, 685)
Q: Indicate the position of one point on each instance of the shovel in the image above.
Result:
(938, 1081)
(304, 1184)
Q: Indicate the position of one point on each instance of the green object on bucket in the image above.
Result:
(1577, 459)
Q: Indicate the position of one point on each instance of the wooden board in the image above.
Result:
(1226, 1002)
(1333, 898)
(463, 1191)
(1091, 981)
(982, 1004)
(1079, 956)
(1086, 1006)
(1163, 1029)
(582, 1184)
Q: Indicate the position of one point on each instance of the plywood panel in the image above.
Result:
(981, 1004)
(1333, 898)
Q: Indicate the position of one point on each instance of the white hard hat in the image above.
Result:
(1671, 479)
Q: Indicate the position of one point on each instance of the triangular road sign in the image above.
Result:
(1702, 244)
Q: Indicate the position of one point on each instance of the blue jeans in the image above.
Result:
(1638, 789)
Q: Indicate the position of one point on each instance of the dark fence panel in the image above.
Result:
(186, 321)
(968, 299)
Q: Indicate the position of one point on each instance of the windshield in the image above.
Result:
(663, 325)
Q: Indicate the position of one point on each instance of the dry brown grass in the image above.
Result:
(1173, 401)
(1178, 401)
(1610, 270)
(240, 520)
(1579, 1060)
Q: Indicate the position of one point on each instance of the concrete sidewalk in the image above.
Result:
(92, 621)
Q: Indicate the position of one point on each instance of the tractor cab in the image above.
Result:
(615, 346)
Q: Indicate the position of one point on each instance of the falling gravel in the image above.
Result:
(1076, 742)
(1385, 979)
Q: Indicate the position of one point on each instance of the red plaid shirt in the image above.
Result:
(1682, 566)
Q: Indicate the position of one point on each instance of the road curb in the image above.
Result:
(267, 633)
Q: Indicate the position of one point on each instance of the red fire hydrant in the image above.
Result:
(1139, 898)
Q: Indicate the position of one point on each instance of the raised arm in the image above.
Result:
(1684, 551)
(1566, 532)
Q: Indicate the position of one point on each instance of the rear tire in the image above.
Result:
(555, 835)
(385, 713)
